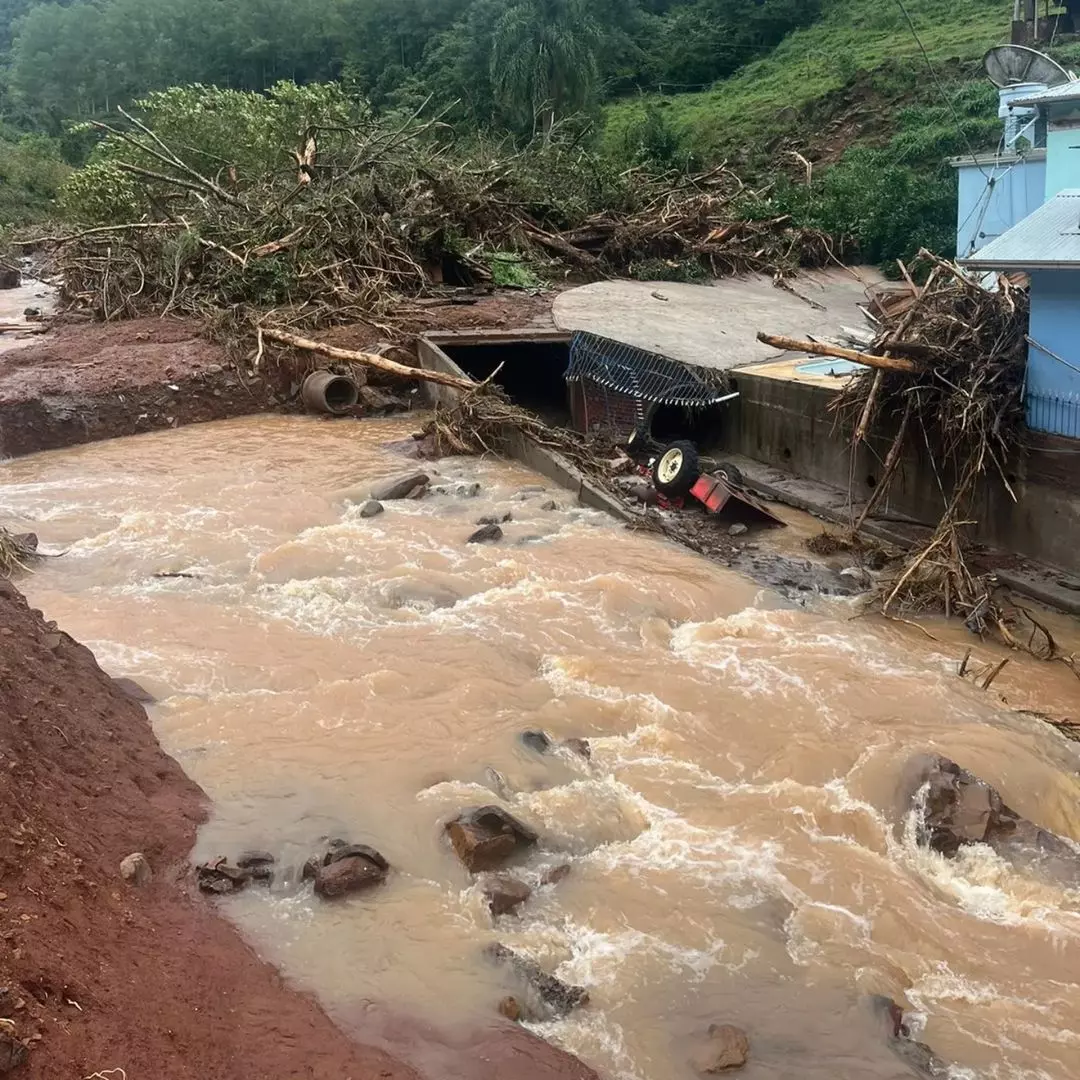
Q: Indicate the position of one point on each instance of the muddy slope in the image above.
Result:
(96, 974)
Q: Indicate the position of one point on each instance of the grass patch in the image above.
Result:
(763, 101)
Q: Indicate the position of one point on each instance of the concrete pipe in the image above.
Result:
(325, 392)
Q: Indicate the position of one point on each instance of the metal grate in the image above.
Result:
(1057, 414)
(642, 375)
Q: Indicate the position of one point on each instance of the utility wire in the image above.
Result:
(941, 89)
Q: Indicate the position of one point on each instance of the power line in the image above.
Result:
(941, 89)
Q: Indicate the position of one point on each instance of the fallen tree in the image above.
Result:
(302, 200)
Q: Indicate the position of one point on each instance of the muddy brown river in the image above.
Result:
(737, 851)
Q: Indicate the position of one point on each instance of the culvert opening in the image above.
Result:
(533, 373)
(329, 393)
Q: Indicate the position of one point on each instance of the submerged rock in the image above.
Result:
(487, 836)
(487, 534)
(956, 808)
(505, 894)
(372, 508)
(555, 874)
(131, 689)
(220, 878)
(547, 995)
(537, 741)
(916, 1055)
(495, 519)
(349, 874)
(578, 746)
(402, 487)
(727, 1048)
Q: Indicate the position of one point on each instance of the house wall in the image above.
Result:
(1053, 387)
(1062, 150)
(1018, 190)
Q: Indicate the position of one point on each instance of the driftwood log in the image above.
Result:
(351, 356)
(819, 348)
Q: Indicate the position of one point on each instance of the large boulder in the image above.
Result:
(727, 1047)
(10, 277)
(956, 809)
(412, 486)
(487, 836)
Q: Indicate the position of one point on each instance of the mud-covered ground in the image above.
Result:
(87, 381)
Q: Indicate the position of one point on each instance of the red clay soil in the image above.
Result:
(88, 381)
(99, 975)
(84, 382)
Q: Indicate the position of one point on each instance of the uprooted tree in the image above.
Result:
(207, 201)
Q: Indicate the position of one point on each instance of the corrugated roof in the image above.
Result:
(1056, 95)
(1048, 239)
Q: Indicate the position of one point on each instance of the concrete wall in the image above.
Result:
(1053, 387)
(788, 425)
(985, 211)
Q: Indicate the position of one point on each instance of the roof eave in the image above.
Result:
(1008, 265)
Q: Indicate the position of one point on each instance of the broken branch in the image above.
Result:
(820, 348)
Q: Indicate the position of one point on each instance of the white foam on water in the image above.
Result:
(592, 1036)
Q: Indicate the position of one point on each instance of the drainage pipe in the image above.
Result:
(326, 392)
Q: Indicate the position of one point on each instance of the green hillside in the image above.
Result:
(862, 45)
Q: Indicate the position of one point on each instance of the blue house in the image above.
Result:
(998, 189)
(1046, 245)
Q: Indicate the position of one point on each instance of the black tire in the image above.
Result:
(677, 469)
(729, 473)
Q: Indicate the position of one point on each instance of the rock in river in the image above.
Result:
(727, 1048)
(505, 894)
(956, 808)
(487, 534)
(371, 509)
(537, 741)
(401, 487)
(547, 996)
(485, 837)
(350, 868)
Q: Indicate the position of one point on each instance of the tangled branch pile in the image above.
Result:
(960, 408)
(15, 553)
(303, 200)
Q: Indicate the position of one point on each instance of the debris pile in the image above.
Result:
(946, 376)
(17, 551)
(373, 212)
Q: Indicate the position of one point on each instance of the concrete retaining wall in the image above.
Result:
(788, 425)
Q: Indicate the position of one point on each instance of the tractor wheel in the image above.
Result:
(729, 474)
(677, 469)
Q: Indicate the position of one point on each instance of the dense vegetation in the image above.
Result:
(670, 83)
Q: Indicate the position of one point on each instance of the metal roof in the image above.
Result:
(996, 160)
(1056, 95)
(640, 374)
(1048, 239)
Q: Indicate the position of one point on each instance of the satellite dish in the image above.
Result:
(1008, 65)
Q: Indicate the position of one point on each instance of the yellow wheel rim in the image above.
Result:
(670, 466)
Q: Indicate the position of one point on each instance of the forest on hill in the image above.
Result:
(768, 85)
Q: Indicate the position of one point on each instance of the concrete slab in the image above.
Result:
(714, 326)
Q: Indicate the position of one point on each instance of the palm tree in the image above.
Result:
(543, 59)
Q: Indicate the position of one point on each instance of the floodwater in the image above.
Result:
(737, 851)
